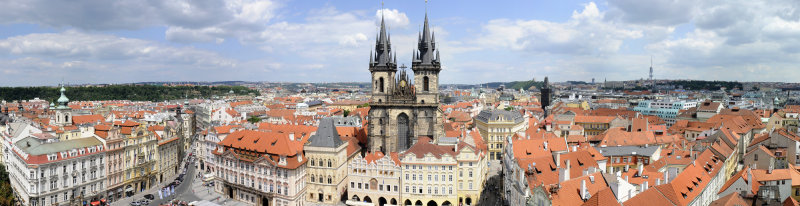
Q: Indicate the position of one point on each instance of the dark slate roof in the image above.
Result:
(487, 115)
(4, 119)
(326, 135)
(628, 150)
(314, 103)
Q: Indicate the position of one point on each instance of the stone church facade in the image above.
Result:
(402, 111)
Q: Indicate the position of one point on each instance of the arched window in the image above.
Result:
(330, 164)
(312, 178)
(380, 85)
(425, 83)
(330, 180)
(312, 162)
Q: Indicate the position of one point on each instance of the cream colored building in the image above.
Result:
(169, 145)
(495, 126)
(442, 173)
(326, 171)
(374, 178)
(472, 170)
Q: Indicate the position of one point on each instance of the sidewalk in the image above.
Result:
(153, 190)
(207, 193)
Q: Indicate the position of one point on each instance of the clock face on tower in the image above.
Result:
(402, 83)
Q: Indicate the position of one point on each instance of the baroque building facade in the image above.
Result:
(402, 111)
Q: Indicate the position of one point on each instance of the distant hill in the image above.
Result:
(516, 85)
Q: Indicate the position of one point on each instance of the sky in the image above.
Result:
(46, 42)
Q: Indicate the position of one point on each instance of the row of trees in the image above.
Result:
(120, 92)
(6, 192)
(706, 85)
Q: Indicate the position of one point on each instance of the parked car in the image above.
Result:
(149, 196)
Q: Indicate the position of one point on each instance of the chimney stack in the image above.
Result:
(749, 188)
(644, 186)
(558, 160)
(584, 191)
(641, 167)
(564, 173)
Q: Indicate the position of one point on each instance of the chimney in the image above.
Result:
(584, 190)
(749, 180)
(545, 147)
(558, 160)
(769, 170)
(568, 166)
(641, 167)
(644, 186)
(564, 173)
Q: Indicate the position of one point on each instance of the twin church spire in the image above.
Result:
(425, 54)
(383, 50)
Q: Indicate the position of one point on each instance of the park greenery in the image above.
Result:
(123, 92)
(6, 192)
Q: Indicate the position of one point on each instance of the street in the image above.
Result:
(492, 191)
(187, 191)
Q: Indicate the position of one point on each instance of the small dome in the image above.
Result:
(63, 99)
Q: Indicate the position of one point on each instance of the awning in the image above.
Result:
(95, 203)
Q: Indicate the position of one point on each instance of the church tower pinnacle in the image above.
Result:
(382, 65)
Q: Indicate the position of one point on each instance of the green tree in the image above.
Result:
(254, 119)
(509, 108)
(119, 92)
(346, 113)
(6, 192)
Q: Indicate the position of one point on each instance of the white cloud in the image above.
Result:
(392, 17)
(186, 20)
(656, 12)
(733, 40)
(74, 45)
(584, 33)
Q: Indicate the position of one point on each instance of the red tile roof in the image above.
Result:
(85, 119)
(569, 193)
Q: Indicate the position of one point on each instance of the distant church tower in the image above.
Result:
(546, 94)
(401, 111)
(63, 113)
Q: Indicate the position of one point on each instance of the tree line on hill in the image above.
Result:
(122, 92)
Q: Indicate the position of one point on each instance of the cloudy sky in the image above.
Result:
(122, 41)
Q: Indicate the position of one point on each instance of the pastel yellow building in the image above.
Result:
(495, 126)
(448, 172)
